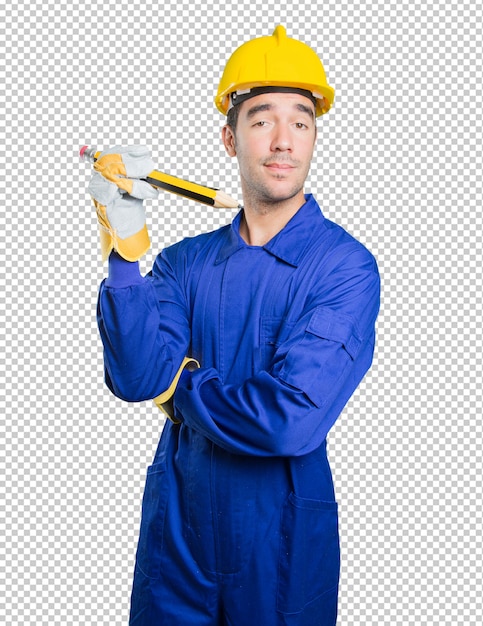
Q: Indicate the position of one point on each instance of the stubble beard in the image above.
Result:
(263, 199)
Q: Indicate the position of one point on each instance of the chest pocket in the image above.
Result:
(273, 332)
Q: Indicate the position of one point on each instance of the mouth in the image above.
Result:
(276, 166)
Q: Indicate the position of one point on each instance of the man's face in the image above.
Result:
(274, 143)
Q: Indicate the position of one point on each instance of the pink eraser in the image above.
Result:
(82, 150)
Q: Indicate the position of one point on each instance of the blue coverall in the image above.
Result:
(239, 521)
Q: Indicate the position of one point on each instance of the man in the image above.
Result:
(252, 339)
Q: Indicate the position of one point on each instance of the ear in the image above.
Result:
(228, 138)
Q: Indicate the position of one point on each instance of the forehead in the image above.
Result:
(277, 103)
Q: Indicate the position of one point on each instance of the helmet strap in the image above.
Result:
(237, 97)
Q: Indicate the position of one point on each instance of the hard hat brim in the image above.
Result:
(323, 94)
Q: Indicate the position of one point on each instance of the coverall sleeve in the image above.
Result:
(288, 409)
(145, 336)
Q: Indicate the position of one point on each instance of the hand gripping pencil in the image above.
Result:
(193, 191)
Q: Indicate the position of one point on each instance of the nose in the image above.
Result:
(282, 139)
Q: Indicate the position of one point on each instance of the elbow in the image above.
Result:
(302, 436)
(129, 388)
(123, 388)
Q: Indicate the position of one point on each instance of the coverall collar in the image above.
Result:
(289, 244)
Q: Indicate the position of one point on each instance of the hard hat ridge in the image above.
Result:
(280, 33)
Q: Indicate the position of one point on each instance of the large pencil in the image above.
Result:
(207, 195)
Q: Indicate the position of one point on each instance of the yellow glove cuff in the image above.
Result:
(131, 248)
(164, 400)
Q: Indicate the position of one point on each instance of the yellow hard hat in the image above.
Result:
(274, 61)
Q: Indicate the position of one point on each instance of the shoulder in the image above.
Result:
(328, 241)
(342, 272)
(335, 248)
(191, 250)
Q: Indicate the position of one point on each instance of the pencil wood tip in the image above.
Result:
(224, 201)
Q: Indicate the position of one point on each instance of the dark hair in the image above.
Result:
(232, 117)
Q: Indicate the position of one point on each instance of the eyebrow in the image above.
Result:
(256, 109)
(267, 107)
(305, 109)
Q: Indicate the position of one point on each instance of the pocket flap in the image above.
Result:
(334, 326)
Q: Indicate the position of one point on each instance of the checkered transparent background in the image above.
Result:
(399, 164)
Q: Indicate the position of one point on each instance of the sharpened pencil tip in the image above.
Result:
(224, 201)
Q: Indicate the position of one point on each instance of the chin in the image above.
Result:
(282, 195)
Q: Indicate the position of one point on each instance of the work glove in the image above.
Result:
(165, 400)
(118, 196)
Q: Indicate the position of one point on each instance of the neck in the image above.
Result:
(262, 222)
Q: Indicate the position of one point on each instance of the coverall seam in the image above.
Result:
(221, 322)
(321, 595)
(214, 508)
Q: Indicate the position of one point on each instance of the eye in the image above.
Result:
(301, 125)
(261, 123)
